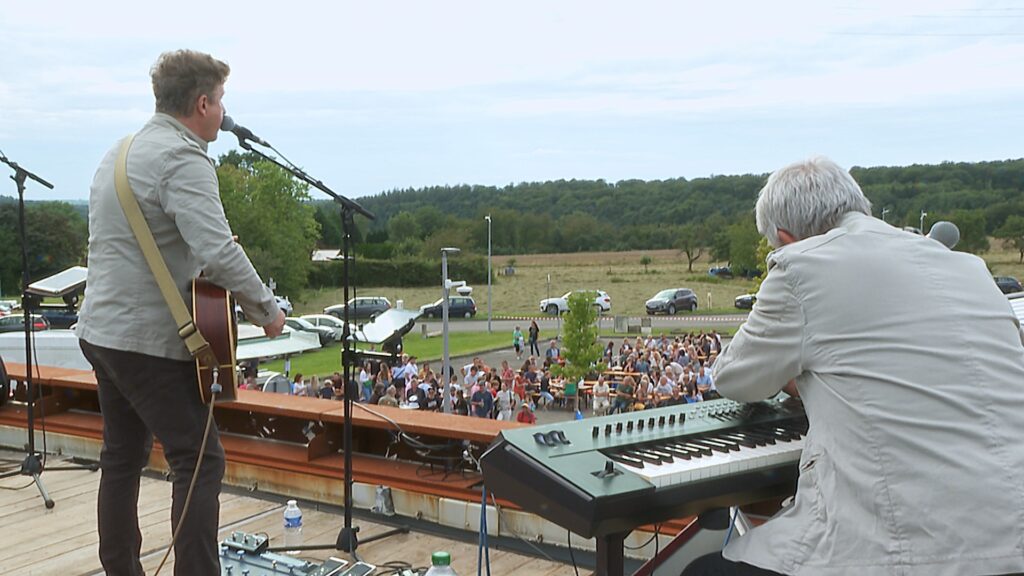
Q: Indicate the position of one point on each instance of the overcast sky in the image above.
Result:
(371, 96)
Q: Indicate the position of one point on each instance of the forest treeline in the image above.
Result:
(704, 214)
(279, 224)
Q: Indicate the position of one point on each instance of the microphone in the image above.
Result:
(946, 233)
(243, 133)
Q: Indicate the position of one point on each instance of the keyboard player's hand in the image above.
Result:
(790, 389)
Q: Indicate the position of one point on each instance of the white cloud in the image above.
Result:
(460, 82)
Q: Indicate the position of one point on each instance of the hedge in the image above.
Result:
(402, 271)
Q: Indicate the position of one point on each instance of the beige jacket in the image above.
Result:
(911, 368)
(176, 185)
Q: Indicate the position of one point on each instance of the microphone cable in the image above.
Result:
(215, 389)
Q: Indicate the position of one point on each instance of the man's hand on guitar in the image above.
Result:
(275, 328)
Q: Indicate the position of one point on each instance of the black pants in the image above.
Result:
(534, 348)
(142, 396)
(714, 565)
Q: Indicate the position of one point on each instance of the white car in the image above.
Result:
(560, 305)
(324, 333)
(332, 322)
(284, 304)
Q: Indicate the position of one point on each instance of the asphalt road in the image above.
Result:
(479, 324)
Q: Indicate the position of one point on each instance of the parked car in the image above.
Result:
(60, 317)
(361, 307)
(284, 304)
(560, 305)
(336, 326)
(1008, 284)
(671, 301)
(458, 307)
(325, 333)
(729, 272)
(745, 301)
(16, 323)
(720, 272)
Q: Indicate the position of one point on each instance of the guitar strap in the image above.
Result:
(197, 345)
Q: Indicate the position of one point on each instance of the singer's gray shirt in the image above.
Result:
(176, 185)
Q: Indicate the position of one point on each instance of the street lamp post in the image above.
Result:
(446, 392)
(488, 218)
(921, 227)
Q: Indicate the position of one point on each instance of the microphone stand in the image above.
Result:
(347, 540)
(33, 463)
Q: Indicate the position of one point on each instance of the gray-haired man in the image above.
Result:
(870, 326)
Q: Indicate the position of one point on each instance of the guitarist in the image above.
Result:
(146, 377)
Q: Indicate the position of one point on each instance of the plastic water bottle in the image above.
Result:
(292, 526)
(440, 565)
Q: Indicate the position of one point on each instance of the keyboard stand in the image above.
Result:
(610, 560)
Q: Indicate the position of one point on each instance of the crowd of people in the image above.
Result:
(640, 373)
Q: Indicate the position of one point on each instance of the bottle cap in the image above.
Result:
(440, 559)
(293, 502)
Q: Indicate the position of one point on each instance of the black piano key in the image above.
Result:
(677, 451)
(760, 435)
(700, 448)
(627, 460)
(779, 434)
(739, 438)
(786, 434)
(759, 439)
(716, 444)
(694, 450)
(665, 455)
(643, 455)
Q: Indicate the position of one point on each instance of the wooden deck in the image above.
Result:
(63, 541)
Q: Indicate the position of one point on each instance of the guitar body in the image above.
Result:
(213, 311)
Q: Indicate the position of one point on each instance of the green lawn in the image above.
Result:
(620, 274)
(328, 360)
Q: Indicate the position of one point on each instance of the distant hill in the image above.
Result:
(996, 188)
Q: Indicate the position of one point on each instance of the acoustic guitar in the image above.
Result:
(213, 311)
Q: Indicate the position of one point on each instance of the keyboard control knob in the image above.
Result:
(672, 419)
(661, 421)
(596, 431)
(650, 422)
(607, 429)
(629, 426)
(618, 428)
(640, 424)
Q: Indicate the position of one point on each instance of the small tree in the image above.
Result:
(645, 260)
(1012, 234)
(689, 242)
(580, 346)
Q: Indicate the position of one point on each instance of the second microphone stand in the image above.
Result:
(33, 464)
(347, 540)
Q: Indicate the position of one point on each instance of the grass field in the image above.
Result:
(328, 359)
(620, 274)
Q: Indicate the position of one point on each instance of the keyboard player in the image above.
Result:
(910, 365)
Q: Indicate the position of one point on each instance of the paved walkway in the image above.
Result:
(548, 323)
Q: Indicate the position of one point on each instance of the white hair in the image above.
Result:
(806, 199)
